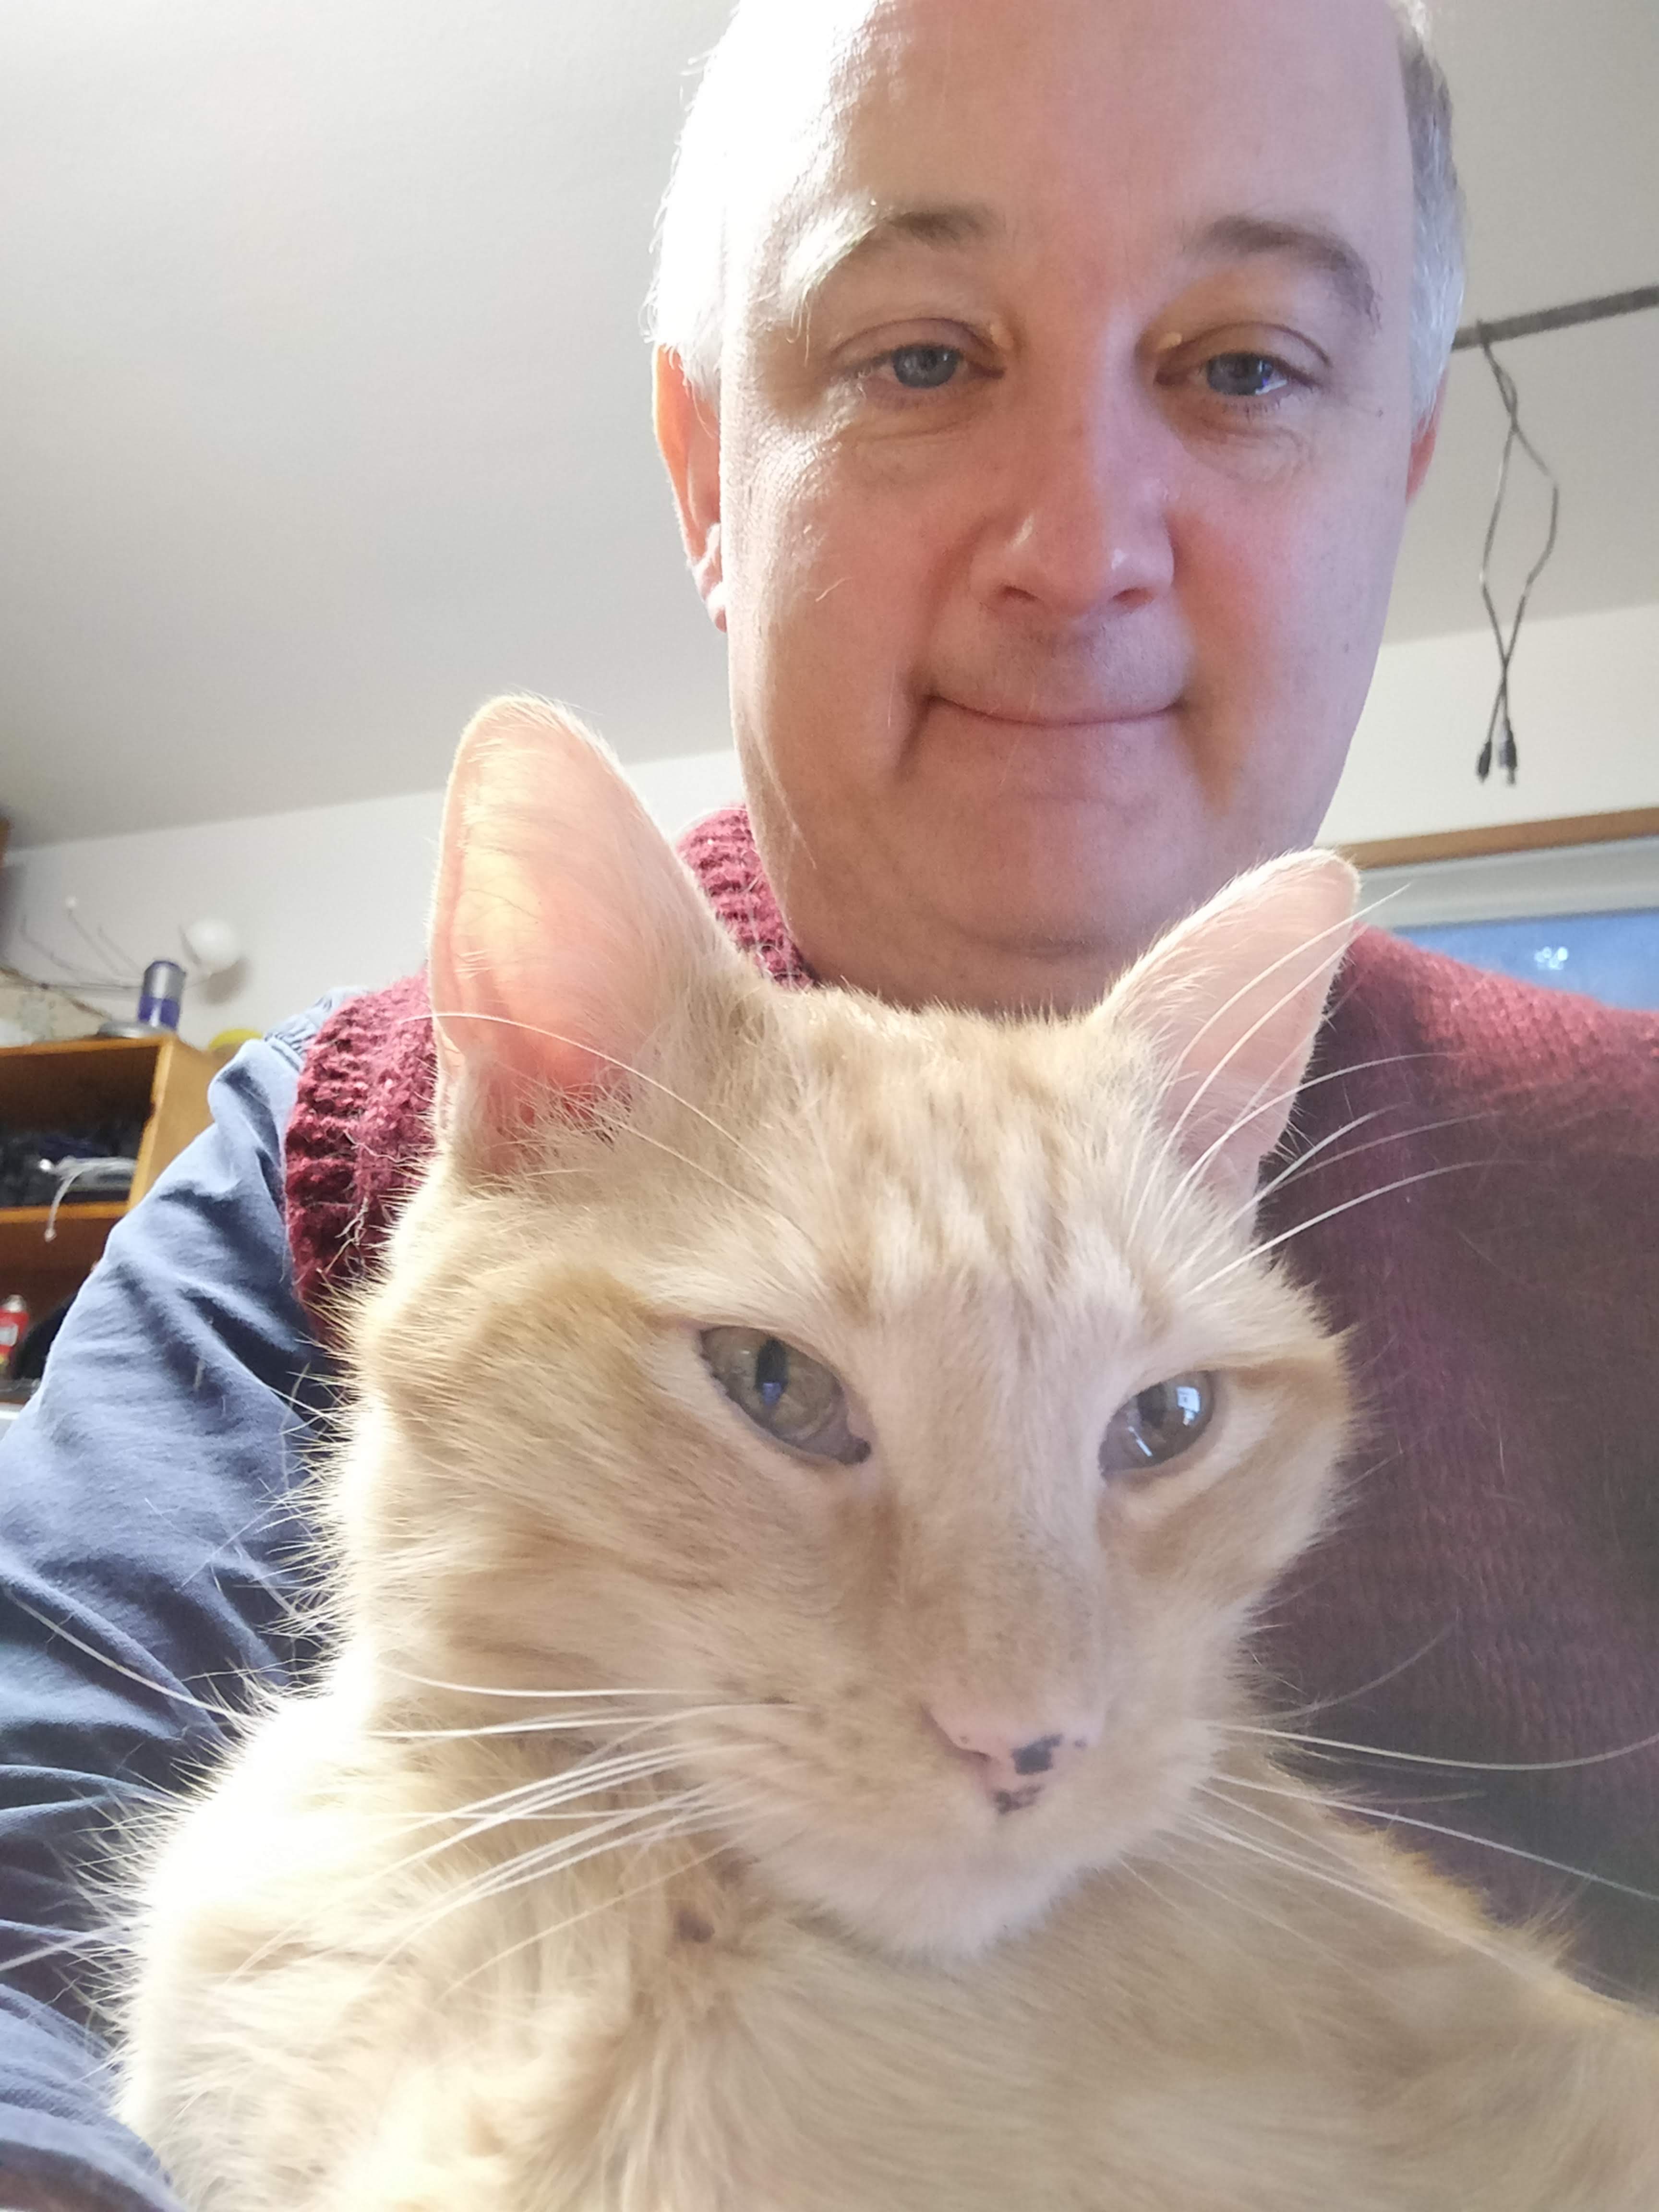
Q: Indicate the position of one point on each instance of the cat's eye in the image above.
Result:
(792, 1398)
(1158, 1425)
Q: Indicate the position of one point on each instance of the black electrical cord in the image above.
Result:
(1500, 729)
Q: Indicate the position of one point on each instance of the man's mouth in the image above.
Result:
(1106, 715)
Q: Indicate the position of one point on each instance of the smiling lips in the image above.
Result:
(1115, 715)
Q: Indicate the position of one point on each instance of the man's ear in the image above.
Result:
(688, 439)
(1424, 439)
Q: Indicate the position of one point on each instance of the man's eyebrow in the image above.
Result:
(964, 223)
(852, 235)
(1242, 237)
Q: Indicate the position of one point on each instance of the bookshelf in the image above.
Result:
(159, 1081)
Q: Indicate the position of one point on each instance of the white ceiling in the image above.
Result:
(325, 396)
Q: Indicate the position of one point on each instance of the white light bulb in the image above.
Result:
(213, 945)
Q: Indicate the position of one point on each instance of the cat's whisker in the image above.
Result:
(1297, 952)
(1393, 1819)
(1286, 1097)
(115, 1935)
(574, 1920)
(1331, 1213)
(745, 1830)
(561, 1857)
(1461, 1765)
(547, 1697)
(533, 1798)
(528, 1800)
(226, 1715)
(1363, 1690)
(1332, 1137)
(631, 1825)
(537, 1797)
(544, 1859)
(1515, 1958)
(1455, 1931)
(1220, 1237)
(1351, 1068)
(565, 1724)
(1260, 1100)
(568, 1724)
(1230, 1898)
(377, 1875)
(1311, 1157)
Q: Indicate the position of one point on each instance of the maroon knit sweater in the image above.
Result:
(1491, 1593)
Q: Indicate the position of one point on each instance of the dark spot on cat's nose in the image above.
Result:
(1036, 1757)
(1016, 1801)
(692, 1928)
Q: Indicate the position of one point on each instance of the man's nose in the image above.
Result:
(1083, 524)
(1016, 1756)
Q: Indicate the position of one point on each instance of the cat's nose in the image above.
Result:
(1016, 1762)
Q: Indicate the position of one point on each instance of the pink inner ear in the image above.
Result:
(1234, 997)
(563, 926)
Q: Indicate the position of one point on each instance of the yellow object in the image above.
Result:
(228, 1040)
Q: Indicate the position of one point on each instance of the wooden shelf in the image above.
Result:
(81, 1230)
(1506, 837)
(155, 1080)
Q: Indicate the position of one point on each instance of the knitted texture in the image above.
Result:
(1487, 1234)
(358, 1137)
(720, 852)
(1471, 1186)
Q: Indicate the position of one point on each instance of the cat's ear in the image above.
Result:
(1233, 997)
(564, 927)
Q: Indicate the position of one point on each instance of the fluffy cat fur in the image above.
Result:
(640, 1853)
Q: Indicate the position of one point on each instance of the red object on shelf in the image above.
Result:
(14, 1328)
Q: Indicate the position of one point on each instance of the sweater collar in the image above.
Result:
(722, 854)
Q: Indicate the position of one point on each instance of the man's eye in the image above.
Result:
(1245, 376)
(925, 367)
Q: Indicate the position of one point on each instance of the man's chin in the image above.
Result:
(1003, 900)
(1121, 761)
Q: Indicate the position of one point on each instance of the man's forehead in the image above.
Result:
(843, 235)
(941, 123)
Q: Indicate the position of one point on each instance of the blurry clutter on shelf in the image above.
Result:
(86, 1123)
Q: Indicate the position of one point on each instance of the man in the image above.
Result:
(1043, 387)
(1064, 436)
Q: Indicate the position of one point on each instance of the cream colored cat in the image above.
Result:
(785, 1752)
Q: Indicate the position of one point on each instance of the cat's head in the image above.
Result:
(896, 1392)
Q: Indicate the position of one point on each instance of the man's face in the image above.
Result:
(1064, 446)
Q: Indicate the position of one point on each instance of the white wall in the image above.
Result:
(1584, 693)
(338, 894)
(326, 896)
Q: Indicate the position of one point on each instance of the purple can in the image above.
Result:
(159, 998)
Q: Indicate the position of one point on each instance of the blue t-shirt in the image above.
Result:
(151, 1555)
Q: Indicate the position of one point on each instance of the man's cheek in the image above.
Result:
(1290, 611)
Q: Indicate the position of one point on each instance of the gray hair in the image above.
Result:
(1440, 266)
(687, 308)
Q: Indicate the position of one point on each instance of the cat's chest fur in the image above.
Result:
(655, 2032)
